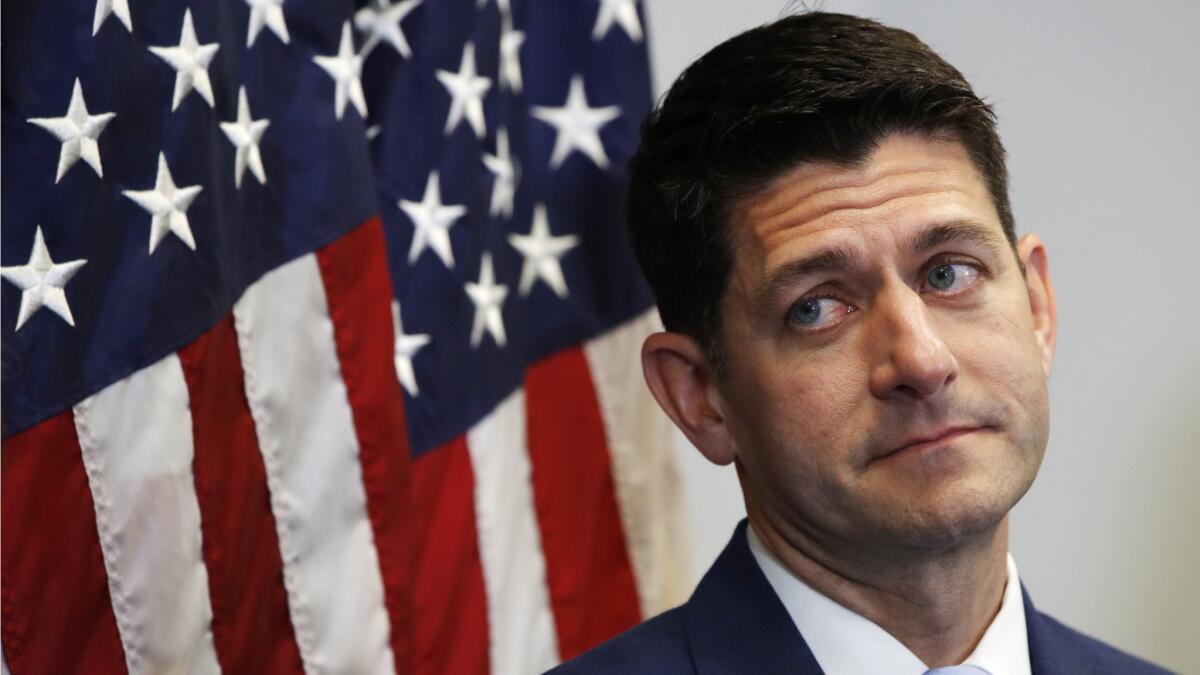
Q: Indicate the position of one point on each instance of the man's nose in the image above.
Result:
(911, 358)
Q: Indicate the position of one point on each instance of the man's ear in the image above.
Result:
(683, 382)
(1032, 253)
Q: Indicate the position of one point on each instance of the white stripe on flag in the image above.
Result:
(306, 434)
(136, 438)
(520, 624)
(641, 445)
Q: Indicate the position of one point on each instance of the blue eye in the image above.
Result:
(952, 276)
(815, 312)
(941, 277)
(807, 312)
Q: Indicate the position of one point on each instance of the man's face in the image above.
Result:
(870, 309)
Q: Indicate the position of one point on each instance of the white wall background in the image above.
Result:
(1099, 104)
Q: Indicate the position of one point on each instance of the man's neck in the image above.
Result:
(938, 605)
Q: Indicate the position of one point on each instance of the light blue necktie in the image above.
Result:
(957, 670)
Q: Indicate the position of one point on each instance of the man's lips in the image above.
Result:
(928, 441)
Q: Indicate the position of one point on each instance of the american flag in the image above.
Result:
(320, 337)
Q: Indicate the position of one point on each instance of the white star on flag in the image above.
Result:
(190, 60)
(488, 296)
(623, 12)
(267, 13)
(505, 186)
(510, 58)
(41, 281)
(578, 125)
(466, 89)
(245, 134)
(432, 220)
(406, 348)
(78, 131)
(167, 205)
(118, 8)
(542, 252)
(345, 68)
(382, 23)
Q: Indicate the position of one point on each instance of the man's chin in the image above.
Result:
(944, 521)
(947, 498)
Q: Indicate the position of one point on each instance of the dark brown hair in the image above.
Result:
(815, 86)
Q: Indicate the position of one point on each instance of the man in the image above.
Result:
(821, 207)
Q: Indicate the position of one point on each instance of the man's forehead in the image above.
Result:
(901, 162)
(908, 184)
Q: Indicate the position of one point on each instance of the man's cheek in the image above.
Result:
(1007, 311)
(997, 342)
(1014, 358)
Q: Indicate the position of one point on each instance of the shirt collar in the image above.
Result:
(845, 643)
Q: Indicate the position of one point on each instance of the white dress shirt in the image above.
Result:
(845, 643)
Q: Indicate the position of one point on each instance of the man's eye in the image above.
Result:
(817, 312)
(952, 277)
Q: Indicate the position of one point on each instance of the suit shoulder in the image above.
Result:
(656, 646)
(1089, 655)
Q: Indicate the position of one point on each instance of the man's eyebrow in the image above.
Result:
(838, 259)
(957, 231)
(829, 260)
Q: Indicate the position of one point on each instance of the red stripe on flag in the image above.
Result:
(57, 613)
(251, 625)
(359, 291)
(451, 602)
(592, 589)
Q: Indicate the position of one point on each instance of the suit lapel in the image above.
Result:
(1045, 652)
(736, 623)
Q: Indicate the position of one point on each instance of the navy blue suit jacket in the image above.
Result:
(734, 623)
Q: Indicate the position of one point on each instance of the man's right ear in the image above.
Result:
(685, 385)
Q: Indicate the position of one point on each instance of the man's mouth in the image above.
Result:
(930, 440)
